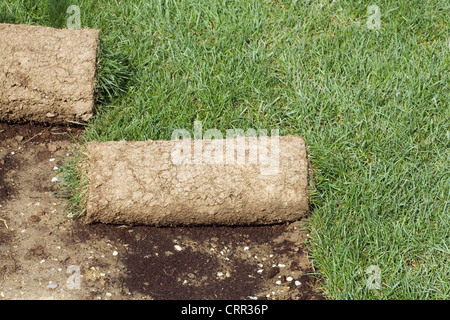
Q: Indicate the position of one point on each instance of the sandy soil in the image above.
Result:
(41, 259)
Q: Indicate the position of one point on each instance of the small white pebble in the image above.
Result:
(52, 286)
(23, 231)
(115, 253)
(108, 294)
(52, 159)
(281, 265)
(13, 153)
(297, 283)
(55, 168)
(268, 295)
(42, 261)
(177, 247)
(253, 298)
(260, 270)
(185, 281)
(246, 248)
(278, 282)
(289, 278)
(54, 179)
(37, 204)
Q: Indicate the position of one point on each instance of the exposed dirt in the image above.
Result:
(40, 259)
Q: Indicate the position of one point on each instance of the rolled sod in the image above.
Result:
(47, 75)
(240, 181)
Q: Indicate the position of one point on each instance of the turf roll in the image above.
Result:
(47, 75)
(233, 181)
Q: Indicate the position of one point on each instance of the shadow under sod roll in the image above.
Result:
(240, 181)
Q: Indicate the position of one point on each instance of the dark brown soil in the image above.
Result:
(155, 269)
(6, 164)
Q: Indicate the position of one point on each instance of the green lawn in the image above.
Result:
(372, 105)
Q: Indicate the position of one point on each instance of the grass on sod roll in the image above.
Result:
(372, 104)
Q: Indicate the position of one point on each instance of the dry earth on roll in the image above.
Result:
(140, 182)
(47, 75)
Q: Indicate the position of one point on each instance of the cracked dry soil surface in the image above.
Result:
(40, 259)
